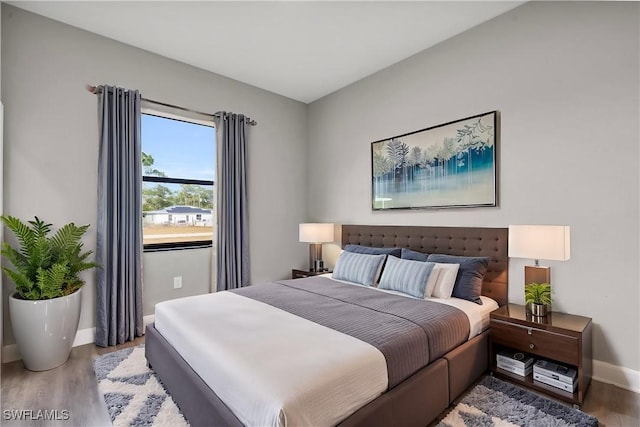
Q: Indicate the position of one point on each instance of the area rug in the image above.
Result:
(135, 397)
(493, 402)
(132, 392)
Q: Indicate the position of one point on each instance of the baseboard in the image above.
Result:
(10, 352)
(85, 336)
(146, 320)
(619, 376)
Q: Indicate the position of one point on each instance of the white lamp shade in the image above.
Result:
(316, 233)
(549, 242)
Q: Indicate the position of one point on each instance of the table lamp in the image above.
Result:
(550, 242)
(316, 234)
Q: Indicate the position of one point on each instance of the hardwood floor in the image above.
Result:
(73, 387)
(612, 406)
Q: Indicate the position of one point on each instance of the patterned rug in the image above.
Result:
(493, 402)
(133, 394)
(135, 397)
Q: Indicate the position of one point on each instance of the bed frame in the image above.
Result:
(416, 401)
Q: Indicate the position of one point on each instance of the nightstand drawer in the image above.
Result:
(552, 345)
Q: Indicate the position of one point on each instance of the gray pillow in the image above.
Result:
(358, 268)
(406, 276)
(373, 251)
(414, 255)
(470, 275)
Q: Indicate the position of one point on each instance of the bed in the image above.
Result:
(413, 397)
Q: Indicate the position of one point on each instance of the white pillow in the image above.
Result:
(446, 278)
(431, 281)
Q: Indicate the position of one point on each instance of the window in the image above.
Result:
(178, 168)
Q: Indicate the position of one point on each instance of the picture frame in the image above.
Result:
(452, 165)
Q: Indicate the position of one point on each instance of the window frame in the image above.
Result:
(159, 110)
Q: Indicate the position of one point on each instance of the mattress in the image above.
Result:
(478, 314)
(309, 374)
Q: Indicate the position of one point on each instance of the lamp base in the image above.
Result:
(537, 274)
(315, 255)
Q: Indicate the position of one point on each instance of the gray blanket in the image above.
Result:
(410, 333)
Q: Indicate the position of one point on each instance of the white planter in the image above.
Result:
(45, 330)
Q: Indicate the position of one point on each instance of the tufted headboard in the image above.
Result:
(465, 241)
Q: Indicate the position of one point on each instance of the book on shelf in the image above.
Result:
(555, 371)
(516, 359)
(523, 372)
(555, 383)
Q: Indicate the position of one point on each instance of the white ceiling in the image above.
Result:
(303, 50)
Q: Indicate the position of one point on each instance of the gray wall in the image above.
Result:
(51, 140)
(564, 77)
(194, 266)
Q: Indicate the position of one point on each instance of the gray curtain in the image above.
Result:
(232, 260)
(119, 244)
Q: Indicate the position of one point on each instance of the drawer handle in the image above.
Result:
(531, 346)
(529, 331)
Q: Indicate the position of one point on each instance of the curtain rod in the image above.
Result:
(97, 89)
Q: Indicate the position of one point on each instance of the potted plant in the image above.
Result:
(537, 296)
(45, 308)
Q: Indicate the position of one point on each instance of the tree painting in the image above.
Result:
(450, 165)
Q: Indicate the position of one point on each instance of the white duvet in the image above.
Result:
(308, 374)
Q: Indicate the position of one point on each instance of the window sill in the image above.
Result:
(177, 246)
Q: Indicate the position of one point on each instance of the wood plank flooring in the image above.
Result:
(612, 406)
(73, 387)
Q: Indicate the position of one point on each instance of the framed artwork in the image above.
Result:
(446, 166)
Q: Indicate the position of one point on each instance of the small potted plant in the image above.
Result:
(45, 308)
(537, 297)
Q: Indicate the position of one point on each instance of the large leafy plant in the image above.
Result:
(537, 293)
(45, 266)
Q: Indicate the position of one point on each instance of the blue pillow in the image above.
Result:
(414, 255)
(409, 277)
(468, 283)
(358, 268)
(373, 251)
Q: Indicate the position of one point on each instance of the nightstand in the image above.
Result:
(301, 274)
(558, 337)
